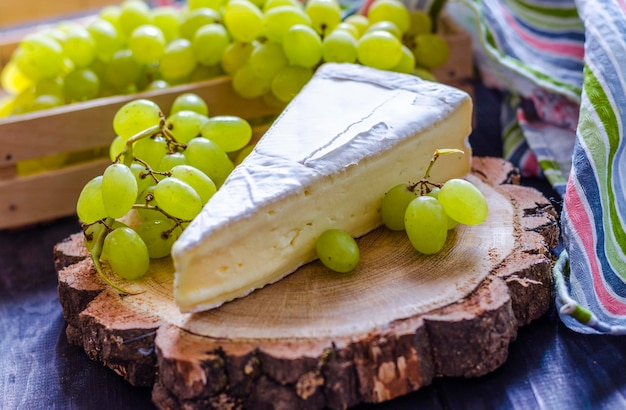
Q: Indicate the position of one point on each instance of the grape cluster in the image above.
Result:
(427, 211)
(270, 48)
(163, 171)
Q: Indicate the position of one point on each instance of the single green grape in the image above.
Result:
(387, 26)
(92, 233)
(144, 180)
(337, 250)
(116, 148)
(390, 10)
(50, 86)
(339, 47)
(435, 194)
(235, 56)
(463, 202)
(209, 158)
(136, 116)
(170, 160)
(158, 235)
(79, 47)
(407, 62)
(126, 253)
(13, 80)
(150, 211)
(190, 102)
(248, 84)
(119, 190)
(379, 49)
(177, 198)
(426, 224)
(393, 206)
(38, 56)
(147, 43)
(267, 59)
(278, 20)
(133, 13)
(302, 46)
(89, 206)
(430, 50)
(289, 81)
(151, 150)
(359, 21)
(81, 84)
(421, 23)
(209, 43)
(197, 18)
(178, 60)
(351, 29)
(107, 39)
(230, 132)
(185, 125)
(243, 20)
(325, 15)
(122, 71)
(168, 20)
(199, 181)
(44, 102)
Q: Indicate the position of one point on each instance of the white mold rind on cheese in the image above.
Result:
(350, 135)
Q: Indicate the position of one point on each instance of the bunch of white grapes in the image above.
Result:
(427, 211)
(270, 48)
(163, 171)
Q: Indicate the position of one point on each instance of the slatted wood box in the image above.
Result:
(83, 131)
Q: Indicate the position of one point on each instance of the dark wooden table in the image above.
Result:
(549, 366)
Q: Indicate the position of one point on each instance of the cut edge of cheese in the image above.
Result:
(350, 135)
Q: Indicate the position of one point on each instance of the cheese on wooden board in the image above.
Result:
(350, 135)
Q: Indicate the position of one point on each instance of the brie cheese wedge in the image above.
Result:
(350, 135)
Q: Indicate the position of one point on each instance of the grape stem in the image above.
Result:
(424, 184)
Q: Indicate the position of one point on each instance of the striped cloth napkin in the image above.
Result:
(563, 66)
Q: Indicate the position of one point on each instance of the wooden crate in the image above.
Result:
(83, 131)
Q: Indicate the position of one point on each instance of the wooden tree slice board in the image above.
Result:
(318, 339)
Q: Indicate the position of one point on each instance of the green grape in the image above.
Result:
(387, 26)
(133, 13)
(407, 61)
(106, 38)
(13, 80)
(170, 160)
(127, 254)
(144, 180)
(351, 29)
(379, 49)
(359, 21)
(424, 74)
(203, 72)
(185, 125)
(289, 81)
(150, 150)
(243, 20)
(393, 206)
(136, 116)
(231, 133)
(168, 20)
(6, 105)
(112, 15)
(339, 47)
(178, 60)
(421, 23)
(44, 102)
(209, 43)
(190, 102)
(197, 18)
(81, 84)
(390, 10)
(39, 57)
(147, 43)
(430, 50)
(122, 70)
(267, 59)
(151, 212)
(79, 47)
(158, 85)
(212, 4)
(337, 250)
(426, 224)
(198, 180)
(270, 4)
(23, 101)
(91, 234)
(119, 190)
(50, 86)
(302, 46)
(243, 153)
(209, 158)
(177, 198)
(158, 235)
(248, 84)
(325, 15)
(278, 20)
(451, 222)
(89, 206)
(270, 99)
(235, 56)
(463, 202)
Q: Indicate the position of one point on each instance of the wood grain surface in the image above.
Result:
(318, 339)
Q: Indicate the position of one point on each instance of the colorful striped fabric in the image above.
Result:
(563, 63)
